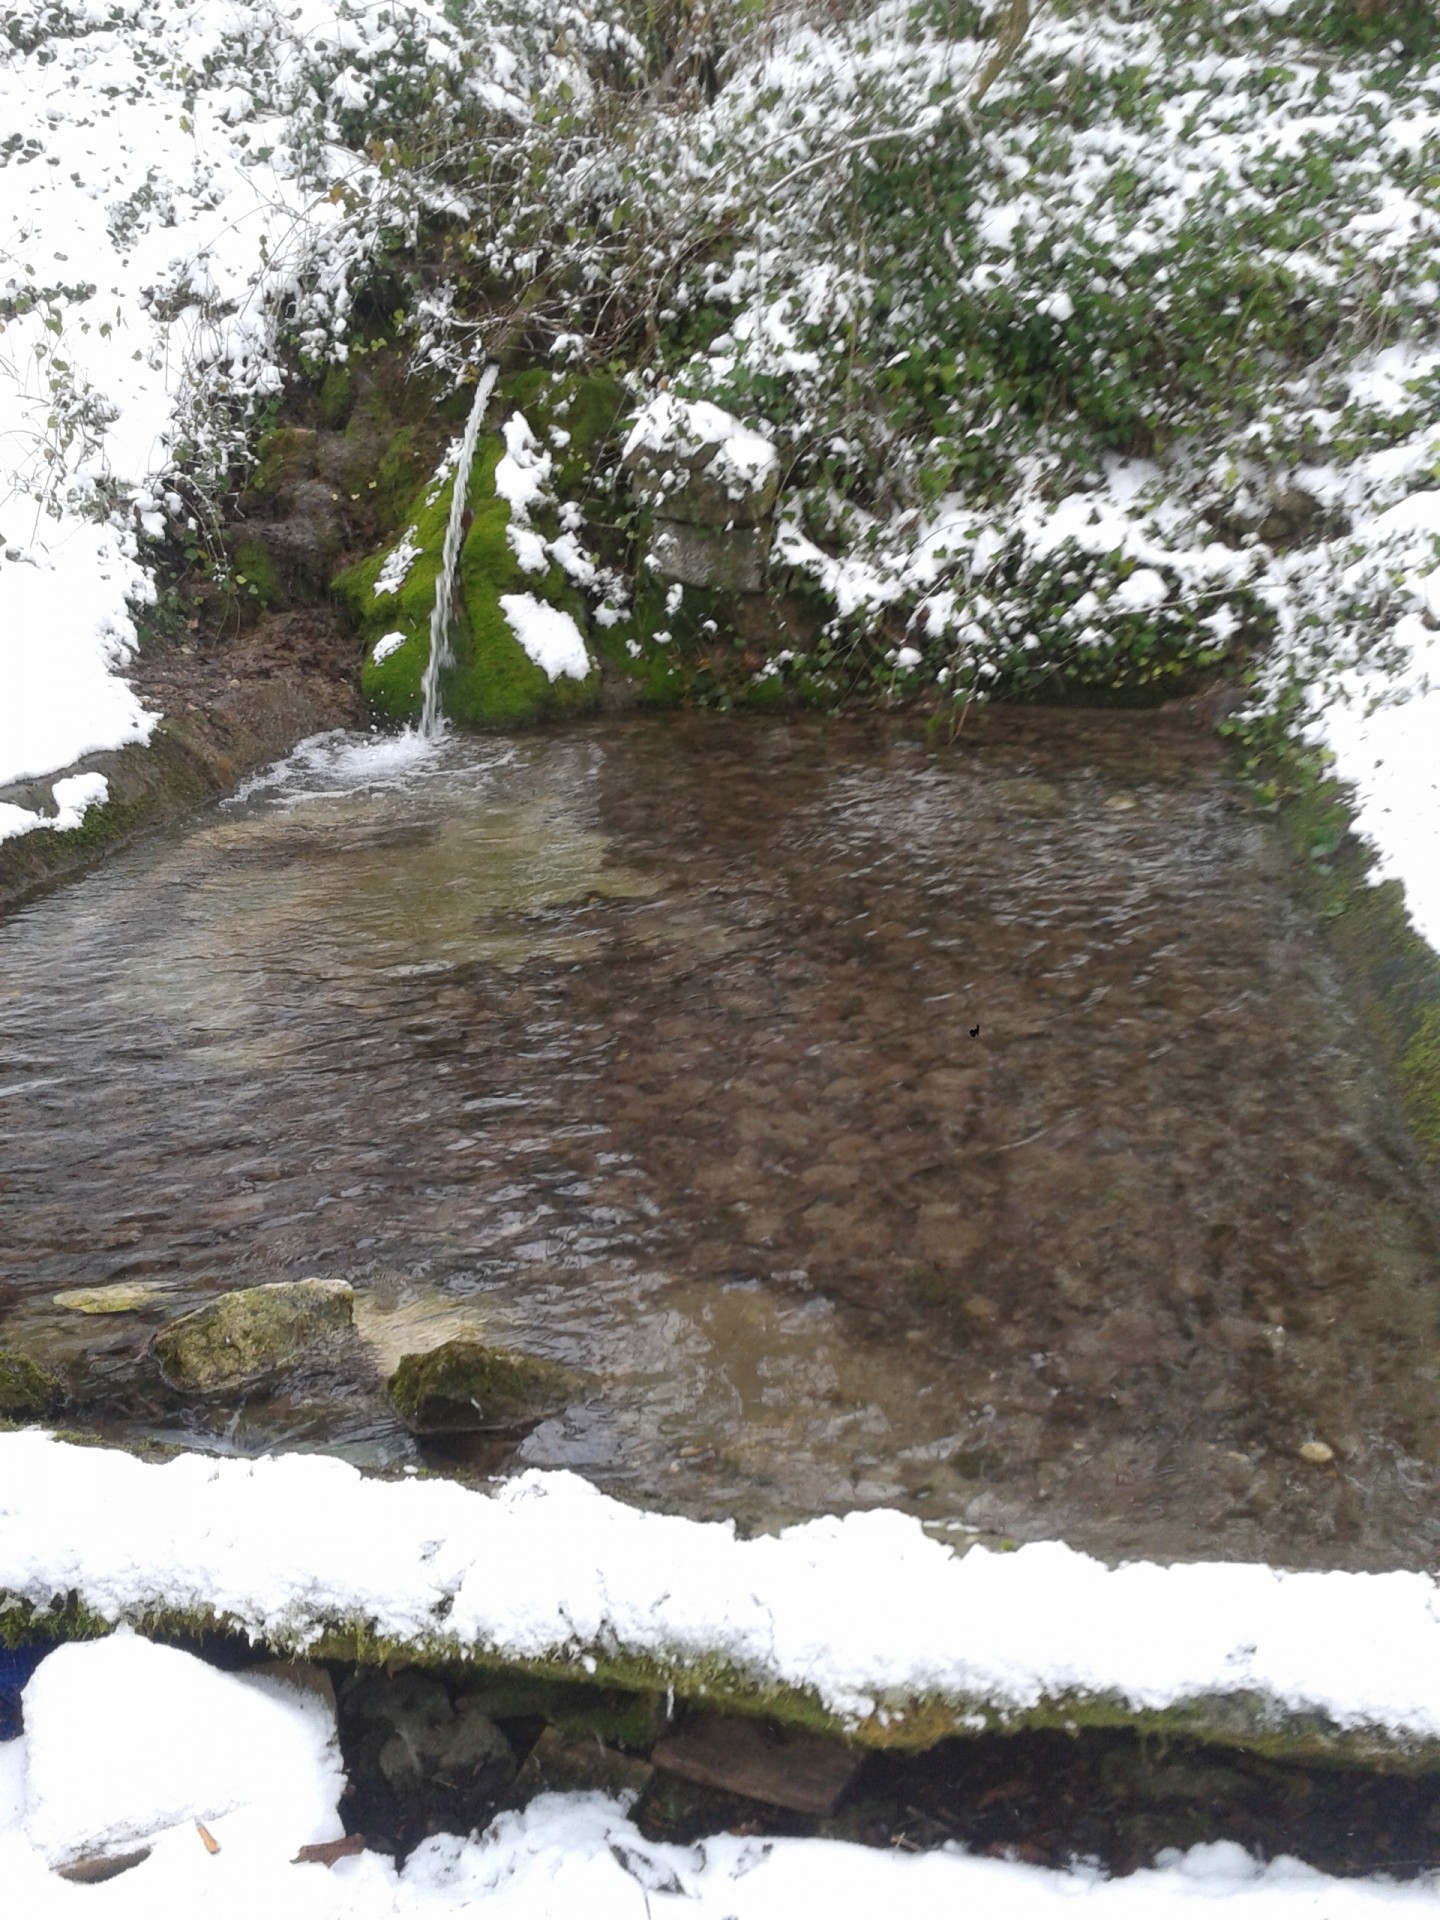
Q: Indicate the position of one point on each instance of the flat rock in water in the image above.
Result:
(801, 1771)
(245, 1336)
(465, 1386)
(124, 1297)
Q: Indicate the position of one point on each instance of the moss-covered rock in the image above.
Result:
(248, 1335)
(335, 401)
(27, 1390)
(255, 573)
(494, 681)
(467, 1387)
(284, 458)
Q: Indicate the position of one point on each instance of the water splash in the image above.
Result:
(431, 717)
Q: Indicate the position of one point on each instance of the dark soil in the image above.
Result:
(310, 648)
(1114, 1797)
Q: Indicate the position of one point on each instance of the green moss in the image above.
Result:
(770, 695)
(251, 1333)
(23, 1623)
(336, 399)
(27, 1390)
(465, 1386)
(284, 457)
(1394, 974)
(589, 408)
(619, 1699)
(402, 466)
(631, 652)
(255, 575)
(493, 682)
(1420, 1080)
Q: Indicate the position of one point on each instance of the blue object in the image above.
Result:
(16, 1666)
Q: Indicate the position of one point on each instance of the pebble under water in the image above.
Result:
(980, 1129)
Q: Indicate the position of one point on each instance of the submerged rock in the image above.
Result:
(123, 1297)
(27, 1390)
(244, 1336)
(467, 1387)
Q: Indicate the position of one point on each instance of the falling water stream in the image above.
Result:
(431, 716)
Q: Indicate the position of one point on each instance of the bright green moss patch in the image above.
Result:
(586, 410)
(492, 681)
(393, 685)
(255, 575)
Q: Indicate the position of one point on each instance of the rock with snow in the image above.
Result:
(126, 1741)
(693, 462)
(548, 636)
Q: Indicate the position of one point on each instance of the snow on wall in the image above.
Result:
(865, 1609)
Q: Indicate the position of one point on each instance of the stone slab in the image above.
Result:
(800, 1771)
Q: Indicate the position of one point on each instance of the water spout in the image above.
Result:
(431, 718)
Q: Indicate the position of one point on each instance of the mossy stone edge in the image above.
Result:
(623, 1687)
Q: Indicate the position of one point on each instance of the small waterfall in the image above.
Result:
(431, 718)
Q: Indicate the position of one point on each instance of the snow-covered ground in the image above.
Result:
(216, 1781)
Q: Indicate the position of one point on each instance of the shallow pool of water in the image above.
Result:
(980, 1129)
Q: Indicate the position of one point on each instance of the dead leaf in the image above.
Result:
(324, 1853)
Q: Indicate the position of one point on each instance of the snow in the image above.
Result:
(548, 1567)
(179, 211)
(548, 635)
(73, 797)
(1383, 739)
(522, 480)
(127, 1740)
(743, 460)
(398, 562)
(189, 189)
(387, 644)
(128, 1745)
(137, 225)
(64, 629)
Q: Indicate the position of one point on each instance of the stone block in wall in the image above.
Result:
(724, 561)
(690, 461)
